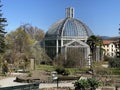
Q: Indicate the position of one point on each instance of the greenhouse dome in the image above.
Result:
(69, 27)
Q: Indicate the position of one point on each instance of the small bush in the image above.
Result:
(66, 72)
(114, 62)
(93, 83)
(29, 74)
(62, 71)
(5, 68)
(83, 84)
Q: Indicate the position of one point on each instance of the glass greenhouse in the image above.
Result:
(66, 35)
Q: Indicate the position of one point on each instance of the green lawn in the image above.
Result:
(45, 67)
(52, 68)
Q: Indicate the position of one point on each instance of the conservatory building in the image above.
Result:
(66, 35)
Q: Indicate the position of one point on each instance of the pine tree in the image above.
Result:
(2, 31)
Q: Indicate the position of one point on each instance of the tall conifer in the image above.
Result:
(2, 31)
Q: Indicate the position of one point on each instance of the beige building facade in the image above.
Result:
(110, 48)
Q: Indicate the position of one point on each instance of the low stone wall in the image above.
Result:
(106, 88)
(68, 88)
(59, 88)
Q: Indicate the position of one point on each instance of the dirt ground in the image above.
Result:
(39, 76)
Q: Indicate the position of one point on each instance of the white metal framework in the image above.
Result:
(66, 34)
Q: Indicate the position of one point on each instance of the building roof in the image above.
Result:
(109, 41)
(69, 27)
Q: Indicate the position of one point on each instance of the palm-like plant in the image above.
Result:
(93, 42)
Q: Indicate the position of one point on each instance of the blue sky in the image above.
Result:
(102, 16)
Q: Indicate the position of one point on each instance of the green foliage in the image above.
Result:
(115, 71)
(94, 41)
(52, 68)
(62, 71)
(45, 67)
(66, 72)
(102, 71)
(29, 74)
(93, 83)
(83, 84)
(5, 67)
(22, 45)
(114, 62)
(18, 48)
(2, 31)
(74, 71)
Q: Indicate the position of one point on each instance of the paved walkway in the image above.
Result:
(6, 82)
(9, 82)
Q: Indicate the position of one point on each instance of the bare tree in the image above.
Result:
(21, 47)
(34, 32)
(75, 58)
(18, 46)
